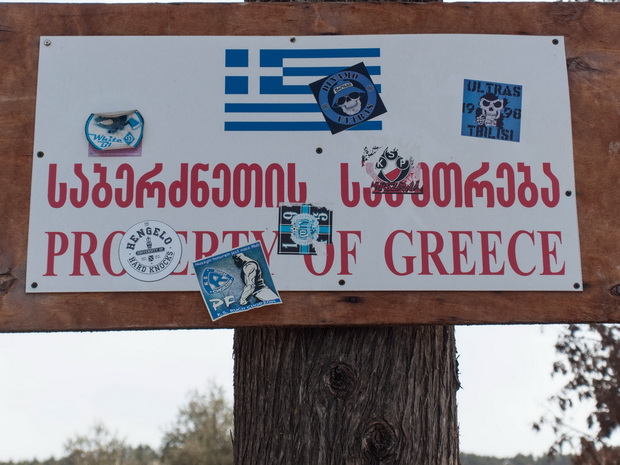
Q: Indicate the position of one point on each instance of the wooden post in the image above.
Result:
(353, 396)
(348, 396)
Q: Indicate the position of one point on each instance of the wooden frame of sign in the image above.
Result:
(593, 59)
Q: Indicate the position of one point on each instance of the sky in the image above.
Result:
(54, 386)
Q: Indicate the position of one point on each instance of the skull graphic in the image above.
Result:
(348, 98)
(490, 110)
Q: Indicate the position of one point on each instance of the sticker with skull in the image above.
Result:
(348, 98)
(489, 111)
(492, 110)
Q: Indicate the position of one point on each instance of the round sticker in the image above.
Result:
(114, 131)
(150, 251)
(304, 229)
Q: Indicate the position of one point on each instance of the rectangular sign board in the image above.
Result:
(391, 162)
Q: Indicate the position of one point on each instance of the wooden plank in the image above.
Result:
(592, 47)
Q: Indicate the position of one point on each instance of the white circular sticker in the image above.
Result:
(150, 251)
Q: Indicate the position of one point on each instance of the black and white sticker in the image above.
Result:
(150, 251)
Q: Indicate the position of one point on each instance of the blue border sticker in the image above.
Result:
(236, 281)
(115, 131)
(348, 98)
(492, 110)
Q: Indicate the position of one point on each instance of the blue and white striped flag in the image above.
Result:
(268, 89)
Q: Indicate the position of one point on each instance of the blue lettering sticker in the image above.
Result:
(115, 131)
(492, 110)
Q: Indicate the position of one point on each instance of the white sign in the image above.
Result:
(393, 162)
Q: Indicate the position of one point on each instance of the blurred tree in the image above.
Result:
(590, 360)
(472, 459)
(142, 455)
(97, 447)
(202, 432)
(100, 447)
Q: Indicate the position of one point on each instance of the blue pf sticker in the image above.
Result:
(236, 281)
(492, 110)
(348, 98)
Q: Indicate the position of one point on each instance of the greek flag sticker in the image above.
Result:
(269, 89)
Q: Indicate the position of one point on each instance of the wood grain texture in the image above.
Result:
(346, 396)
(593, 58)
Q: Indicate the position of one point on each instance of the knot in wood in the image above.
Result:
(6, 281)
(379, 440)
(340, 379)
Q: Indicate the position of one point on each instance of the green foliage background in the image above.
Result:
(200, 435)
(472, 459)
(589, 359)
